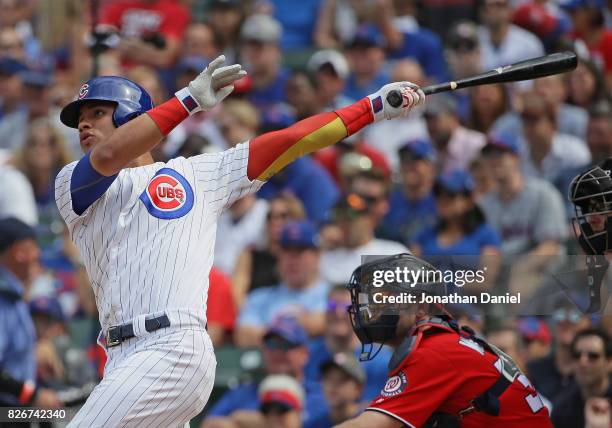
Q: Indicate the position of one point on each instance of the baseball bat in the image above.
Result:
(524, 70)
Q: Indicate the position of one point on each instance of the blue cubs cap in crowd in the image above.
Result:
(457, 181)
(49, 306)
(299, 234)
(367, 35)
(37, 79)
(13, 230)
(287, 328)
(417, 149)
(572, 5)
(502, 143)
(10, 66)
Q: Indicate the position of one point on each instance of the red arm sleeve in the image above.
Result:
(271, 152)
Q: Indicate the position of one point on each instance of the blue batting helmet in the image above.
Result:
(130, 98)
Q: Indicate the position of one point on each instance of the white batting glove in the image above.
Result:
(211, 86)
(412, 96)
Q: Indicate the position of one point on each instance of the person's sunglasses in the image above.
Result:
(592, 356)
(284, 215)
(333, 306)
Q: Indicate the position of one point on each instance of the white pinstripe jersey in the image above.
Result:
(147, 243)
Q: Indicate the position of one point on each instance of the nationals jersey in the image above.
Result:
(445, 372)
(147, 242)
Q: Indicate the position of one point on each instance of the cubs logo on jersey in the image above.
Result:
(168, 195)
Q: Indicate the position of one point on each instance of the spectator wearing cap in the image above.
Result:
(282, 400)
(301, 292)
(536, 337)
(553, 373)
(336, 159)
(343, 380)
(418, 43)
(411, 204)
(225, 18)
(527, 212)
(589, 26)
(257, 266)
(547, 151)
(502, 42)
(461, 228)
(456, 146)
(463, 48)
(356, 221)
(330, 70)
(261, 55)
(284, 352)
(339, 338)
(37, 102)
(11, 98)
(18, 263)
(591, 359)
(151, 30)
(545, 19)
(366, 56)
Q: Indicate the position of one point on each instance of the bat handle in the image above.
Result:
(394, 98)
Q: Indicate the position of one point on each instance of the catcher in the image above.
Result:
(439, 371)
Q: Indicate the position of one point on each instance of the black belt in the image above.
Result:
(119, 333)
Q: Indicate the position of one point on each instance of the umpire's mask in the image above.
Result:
(378, 300)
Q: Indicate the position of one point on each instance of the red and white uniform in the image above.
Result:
(444, 374)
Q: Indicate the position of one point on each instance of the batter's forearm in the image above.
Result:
(271, 152)
(125, 144)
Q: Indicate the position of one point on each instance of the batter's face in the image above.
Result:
(95, 123)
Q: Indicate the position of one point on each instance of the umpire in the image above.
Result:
(18, 261)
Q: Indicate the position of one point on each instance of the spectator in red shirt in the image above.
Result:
(589, 26)
(220, 308)
(151, 30)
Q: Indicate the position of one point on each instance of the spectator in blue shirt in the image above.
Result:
(300, 293)
(18, 259)
(412, 203)
(284, 352)
(419, 43)
(339, 338)
(367, 56)
(298, 20)
(261, 55)
(461, 229)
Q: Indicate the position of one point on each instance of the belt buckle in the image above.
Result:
(112, 342)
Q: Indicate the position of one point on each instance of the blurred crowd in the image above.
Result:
(477, 178)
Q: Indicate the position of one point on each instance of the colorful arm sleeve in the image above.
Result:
(271, 152)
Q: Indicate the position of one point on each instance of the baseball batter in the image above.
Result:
(146, 231)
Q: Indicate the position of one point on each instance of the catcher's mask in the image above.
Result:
(374, 320)
(591, 194)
